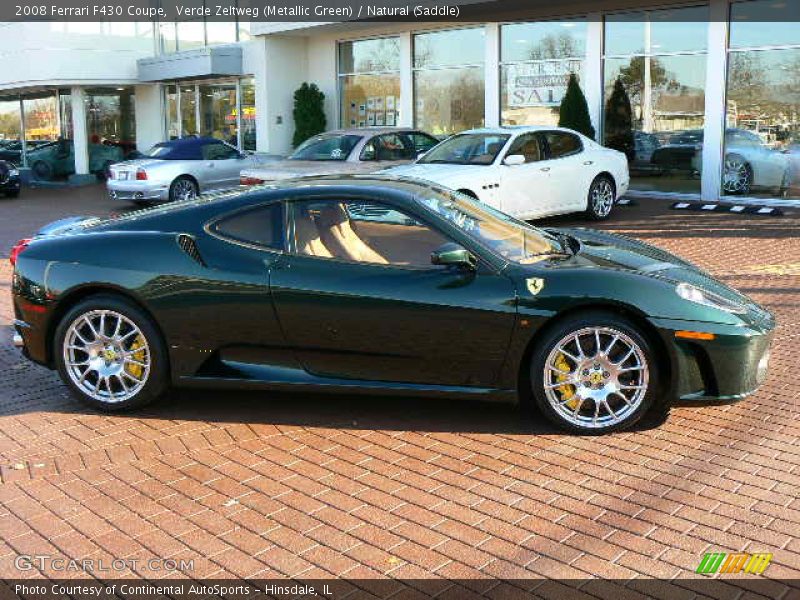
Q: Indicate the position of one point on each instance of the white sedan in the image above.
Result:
(527, 172)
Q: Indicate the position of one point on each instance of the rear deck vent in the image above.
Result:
(189, 246)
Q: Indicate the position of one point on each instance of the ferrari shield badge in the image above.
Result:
(535, 285)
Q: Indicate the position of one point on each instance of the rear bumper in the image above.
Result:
(728, 368)
(138, 191)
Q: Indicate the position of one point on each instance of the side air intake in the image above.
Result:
(189, 247)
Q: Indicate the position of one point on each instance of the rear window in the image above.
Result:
(173, 151)
(261, 226)
(562, 143)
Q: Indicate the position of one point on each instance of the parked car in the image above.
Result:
(285, 288)
(645, 144)
(9, 179)
(748, 162)
(178, 170)
(345, 151)
(11, 150)
(527, 172)
(57, 159)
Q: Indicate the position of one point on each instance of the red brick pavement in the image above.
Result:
(267, 485)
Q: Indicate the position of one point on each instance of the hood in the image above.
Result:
(603, 250)
(435, 172)
(286, 169)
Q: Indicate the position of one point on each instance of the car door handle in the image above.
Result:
(588, 162)
(545, 169)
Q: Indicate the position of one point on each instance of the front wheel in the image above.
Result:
(600, 199)
(594, 374)
(737, 175)
(110, 354)
(14, 194)
(183, 188)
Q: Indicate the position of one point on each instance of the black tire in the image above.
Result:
(744, 183)
(105, 173)
(598, 202)
(157, 381)
(570, 325)
(469, 193)
(175, 192)
(14, 194)
(42, 170)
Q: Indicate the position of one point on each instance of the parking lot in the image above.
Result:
(276, 485)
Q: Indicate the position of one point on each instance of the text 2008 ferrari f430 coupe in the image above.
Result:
(380, 285)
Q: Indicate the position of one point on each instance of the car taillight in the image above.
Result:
(17, 249)
(141, 175)
(247, 180)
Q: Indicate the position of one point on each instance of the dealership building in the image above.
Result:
(714, 87)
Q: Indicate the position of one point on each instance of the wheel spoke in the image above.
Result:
(555, 386)
(581, 353)
(91, 327)
(611, 344)
(597, 342)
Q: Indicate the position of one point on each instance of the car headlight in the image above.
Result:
(13, 172)
(692, 293)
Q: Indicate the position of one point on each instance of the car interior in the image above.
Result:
(329, 230)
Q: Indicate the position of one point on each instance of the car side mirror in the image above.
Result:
(454, 255)
(514, 160)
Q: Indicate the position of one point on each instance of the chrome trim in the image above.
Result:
(18, 341)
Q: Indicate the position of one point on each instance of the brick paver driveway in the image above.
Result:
(281, 485)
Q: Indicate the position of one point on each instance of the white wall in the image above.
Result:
(150, 116)
(43, 53)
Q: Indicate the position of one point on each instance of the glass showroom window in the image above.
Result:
(655, 72)
(247, 96)
(369, 82)
(111, 118)
(762, 135)
(536, 62)
(172, 112)
(218, 112)
(10, 122)
(449, 80)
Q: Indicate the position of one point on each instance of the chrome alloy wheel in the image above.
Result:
(106, 356)
(184, 190)
(596, 377)
(602, 198)
(736, 175)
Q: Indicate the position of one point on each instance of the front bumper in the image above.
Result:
(729, 367)
(138, 191)
(12, 184)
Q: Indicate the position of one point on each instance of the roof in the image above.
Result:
(516, 129)
(372, 130)
(189, 141)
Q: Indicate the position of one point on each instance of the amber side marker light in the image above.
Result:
(694, 335)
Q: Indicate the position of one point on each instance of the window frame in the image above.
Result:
(212, 226)
(548, 149)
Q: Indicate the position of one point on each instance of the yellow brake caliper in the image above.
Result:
(567, 391)
(137, 353)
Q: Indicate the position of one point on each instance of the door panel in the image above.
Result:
(384, 323)
(527, 190)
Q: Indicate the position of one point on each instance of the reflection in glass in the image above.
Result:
(762, 139)
(10, 125)
(764, 23)
(369, 82)
(173, 121)
(537, 60)
(248, 101)
(449, 100)
(218, 112)
(449, 48)
(665, 92)
(188, 111)
(111, 118)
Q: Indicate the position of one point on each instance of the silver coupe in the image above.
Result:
(345, 151)
(178, 170)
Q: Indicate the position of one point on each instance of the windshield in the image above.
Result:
(514, 240)
(326, 147)
(467, 149)
(168, 151)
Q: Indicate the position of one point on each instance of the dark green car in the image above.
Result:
(380, 285)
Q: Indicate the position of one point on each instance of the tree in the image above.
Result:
(574, 112)
(618, 130)
(309, 113)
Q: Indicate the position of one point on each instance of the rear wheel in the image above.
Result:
(110, 354)
(737, 175)
(14, 194)
(42, 170)
(594, 374)
(183, 188)
(601, 198)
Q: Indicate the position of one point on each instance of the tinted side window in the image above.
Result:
(363, 231)
(219, 152)
(562, 143)
(262, 226)
(422, 142)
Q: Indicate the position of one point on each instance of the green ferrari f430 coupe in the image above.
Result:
(380, 285)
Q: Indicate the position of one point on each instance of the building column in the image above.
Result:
(80, 137)
(715, 108)
(150, 115)
(406, 108)
(592, 76)
(492, 75)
